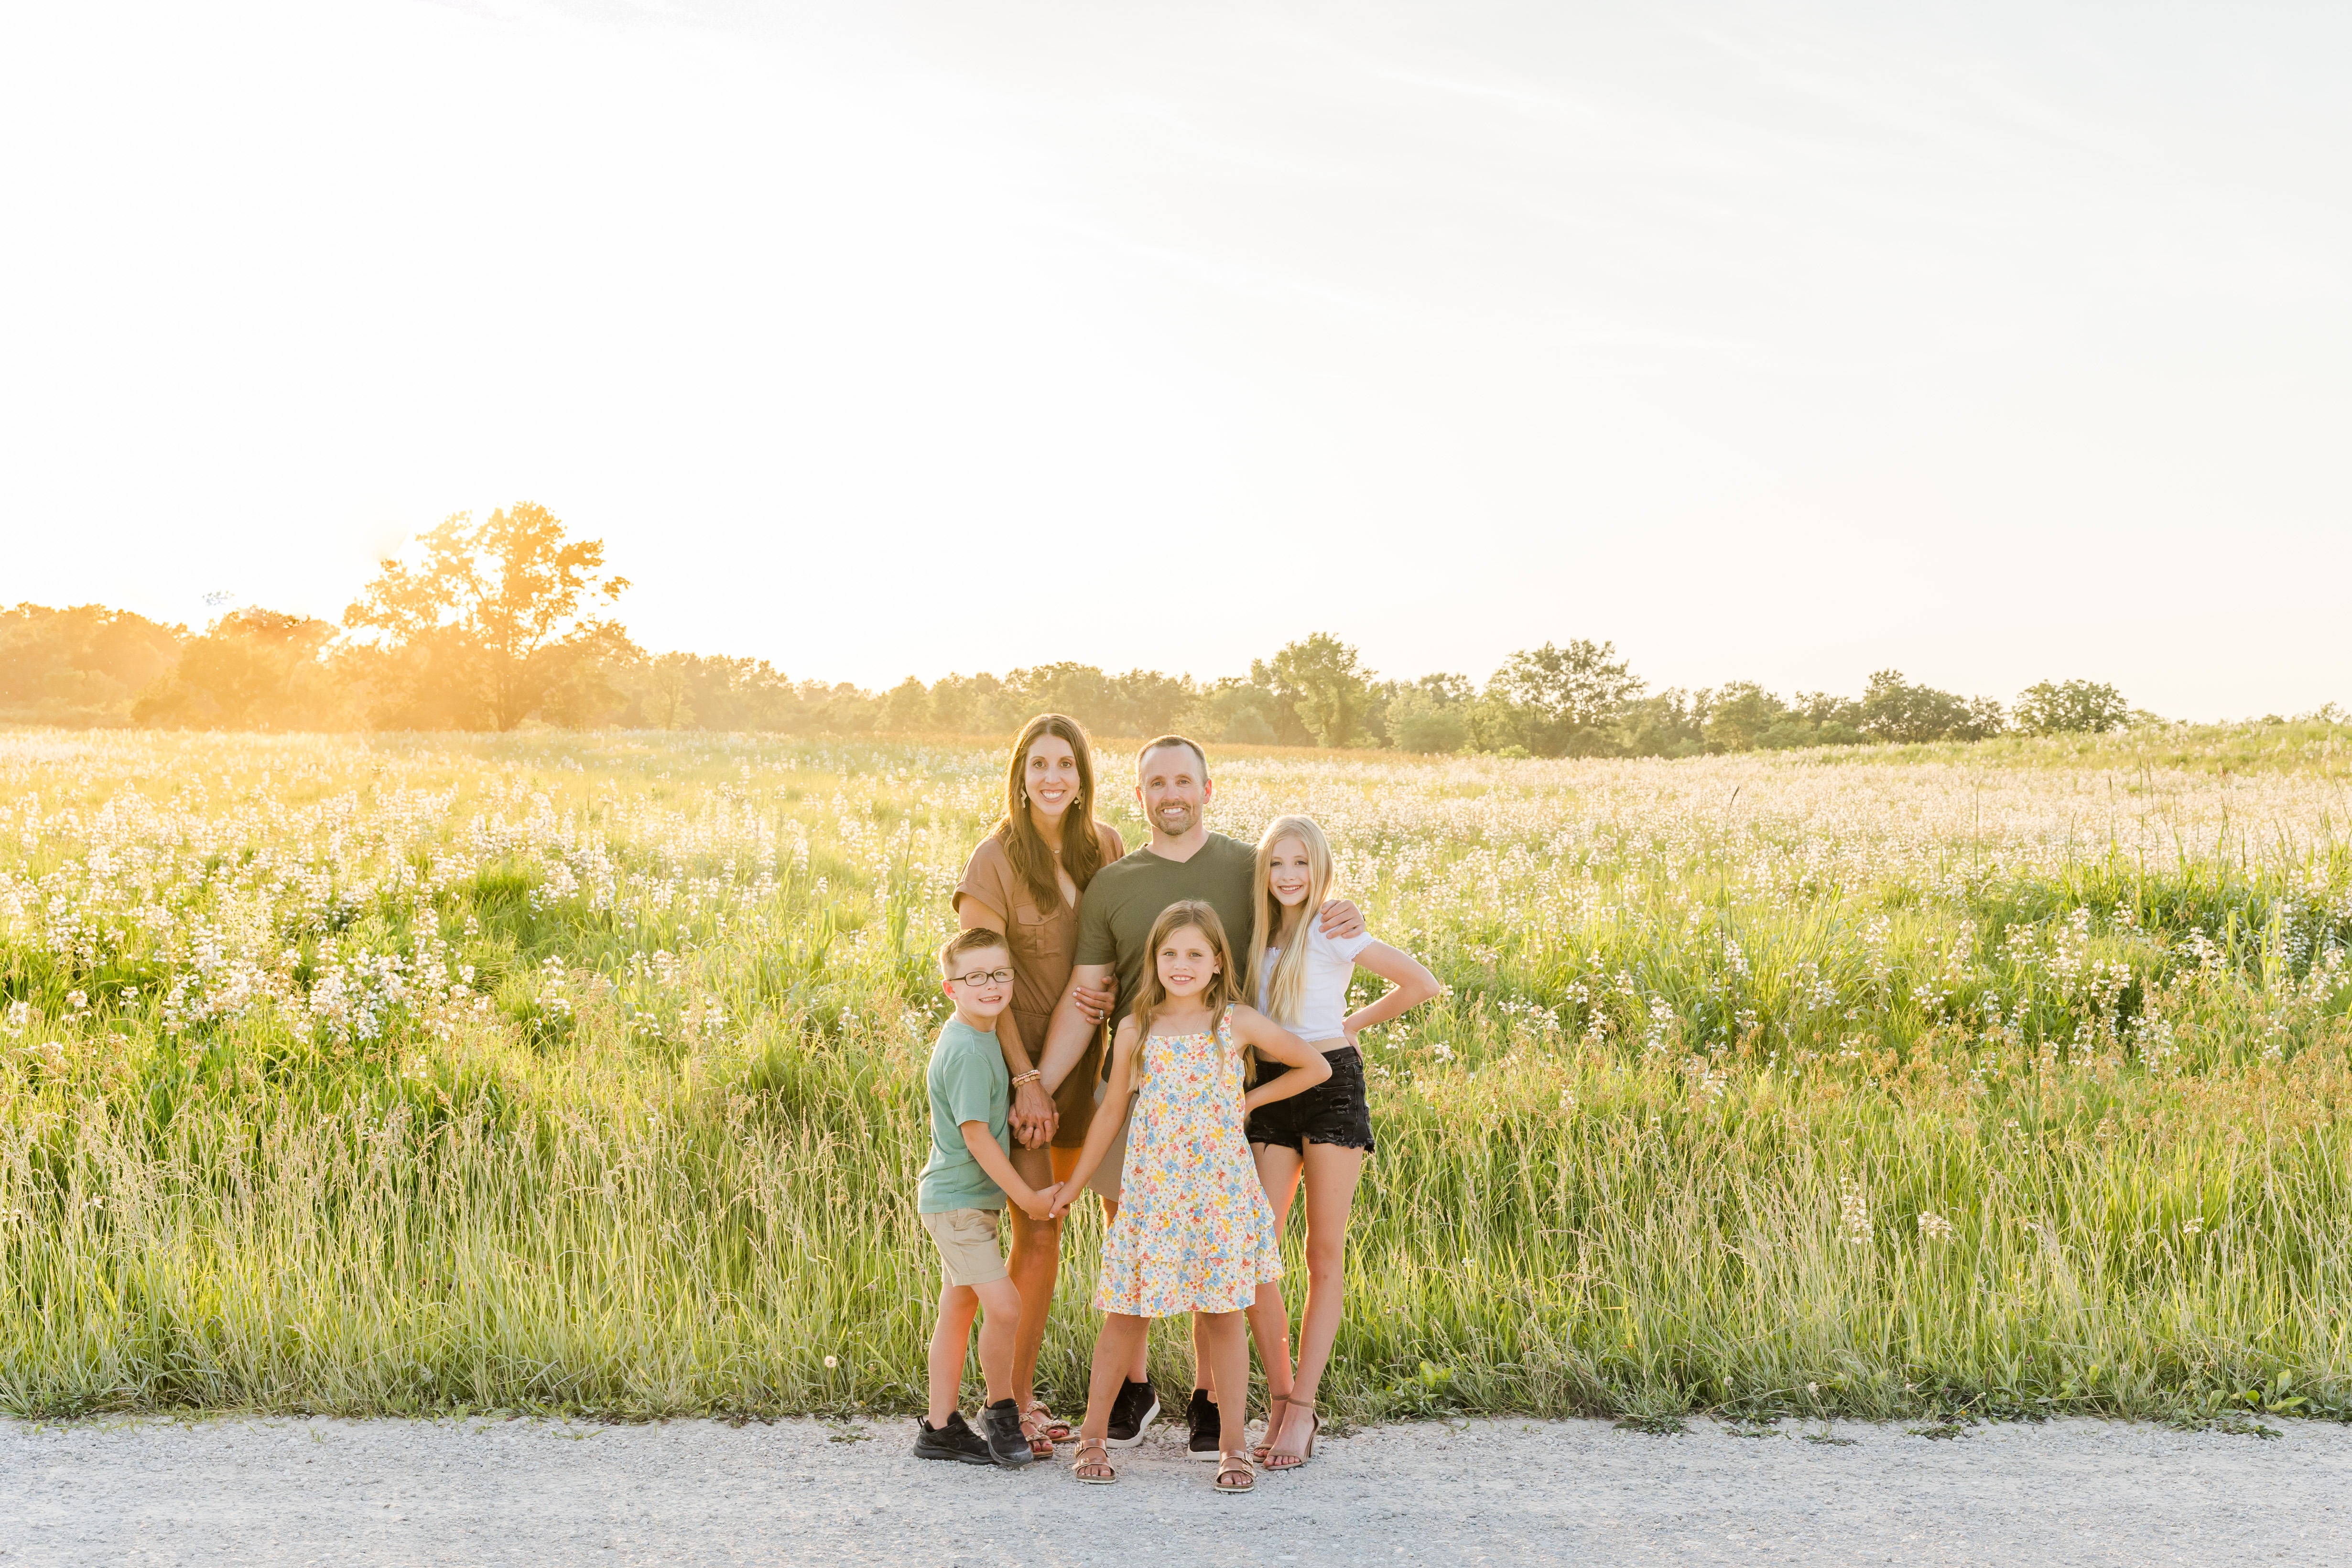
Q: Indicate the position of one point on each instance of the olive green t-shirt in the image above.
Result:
(1126, 896)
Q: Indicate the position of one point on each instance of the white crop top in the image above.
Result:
(1323, 1002)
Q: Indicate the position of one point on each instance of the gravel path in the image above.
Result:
(320, 1492)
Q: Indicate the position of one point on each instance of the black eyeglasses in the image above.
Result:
(985, 977)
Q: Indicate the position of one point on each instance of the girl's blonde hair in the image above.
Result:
(1222, 991)
(1283, 984)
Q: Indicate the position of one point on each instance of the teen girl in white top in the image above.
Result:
(1324, 1133)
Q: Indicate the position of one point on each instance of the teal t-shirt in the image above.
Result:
(968, 1083)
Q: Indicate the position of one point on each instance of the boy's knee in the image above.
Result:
(998, 1296)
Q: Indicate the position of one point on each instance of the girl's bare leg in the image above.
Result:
(1138, 1369)
(1115, 1350)
(1269, 1315)
(1332, 1177)
(1035, 1260)
(1224, 1343)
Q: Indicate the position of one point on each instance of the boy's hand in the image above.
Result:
(1040, 1206)
(1065, 1194)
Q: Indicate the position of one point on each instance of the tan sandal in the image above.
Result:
(1236, 1464)
(1276, 1460)
(1273, 1424)
(1083, 1464)
(1037, 1425)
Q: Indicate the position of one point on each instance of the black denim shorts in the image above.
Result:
(1334, 1112)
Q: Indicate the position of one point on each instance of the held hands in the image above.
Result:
(1033, 1116)
(1044, 1203)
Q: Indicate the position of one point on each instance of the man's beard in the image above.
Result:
(1192, 820)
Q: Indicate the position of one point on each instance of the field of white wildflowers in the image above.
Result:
(584, 1073)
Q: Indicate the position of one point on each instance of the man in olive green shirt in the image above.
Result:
(1183, 860)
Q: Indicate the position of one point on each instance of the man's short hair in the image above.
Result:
(978, 939)
(1167, 740)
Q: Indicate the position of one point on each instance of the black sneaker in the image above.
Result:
(954, 1441)
(1135, 1409)
(1008, 1445)
(1208, 1425)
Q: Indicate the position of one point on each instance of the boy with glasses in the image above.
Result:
(962, 1192)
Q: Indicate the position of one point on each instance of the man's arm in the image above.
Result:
(1075, 1017)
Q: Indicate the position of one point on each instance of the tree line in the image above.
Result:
(505, 622)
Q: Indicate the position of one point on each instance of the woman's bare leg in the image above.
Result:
(1033, 1262)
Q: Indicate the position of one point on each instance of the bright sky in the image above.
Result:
(1989, 341)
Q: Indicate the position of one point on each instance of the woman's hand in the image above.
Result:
(1094, 1002)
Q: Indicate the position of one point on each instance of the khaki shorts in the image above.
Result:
(966, 1239)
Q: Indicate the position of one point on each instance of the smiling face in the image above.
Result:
(1049, 775)
(1186, 961)
(1289, 873)
(1172, 788)
(979, 980)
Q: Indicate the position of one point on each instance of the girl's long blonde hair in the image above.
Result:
(1222, 991)
(1283, 984)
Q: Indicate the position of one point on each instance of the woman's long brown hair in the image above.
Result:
(1032, 856)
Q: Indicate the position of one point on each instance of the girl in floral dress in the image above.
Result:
(1195, 1232)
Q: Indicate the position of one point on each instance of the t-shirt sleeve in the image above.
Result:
(985, 878)
(967, 1087)
(1095, 944)
(1348, 946)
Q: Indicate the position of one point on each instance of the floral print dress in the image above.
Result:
(1195, 1232)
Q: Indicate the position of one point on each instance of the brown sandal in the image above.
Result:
(1083, 1464)
(1236, 1464)
(1276, 1460)
(1273, 1424)
(1049, 1424)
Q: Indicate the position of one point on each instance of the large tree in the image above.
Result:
(1322, 692)
(1894, 709)
(494, 619)
(80, 665)
(252, 669)
(2086, 707)
(1572, 701)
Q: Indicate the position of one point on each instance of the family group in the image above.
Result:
(1232, 1079)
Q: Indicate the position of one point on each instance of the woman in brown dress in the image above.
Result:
(1024, 881)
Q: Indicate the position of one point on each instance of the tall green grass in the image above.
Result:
(1792, 1085)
